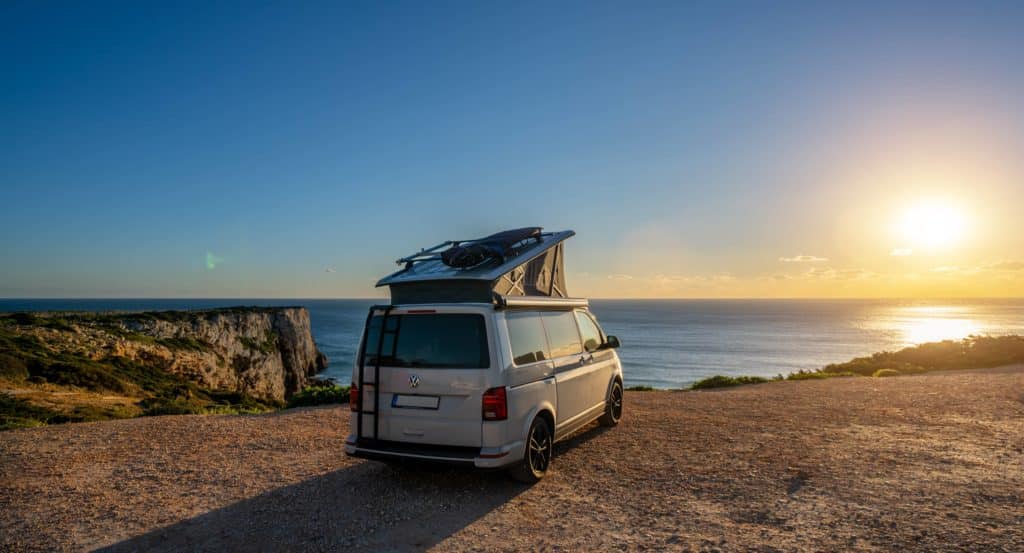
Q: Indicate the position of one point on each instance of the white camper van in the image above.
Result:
(481, 359)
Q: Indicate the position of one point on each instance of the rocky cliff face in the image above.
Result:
(262, 352)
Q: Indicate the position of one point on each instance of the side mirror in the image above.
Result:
(611, 342)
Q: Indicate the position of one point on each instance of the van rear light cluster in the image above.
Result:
(353, 398)
(495, 404)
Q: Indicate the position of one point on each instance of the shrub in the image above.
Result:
(188, 343)
(240, 403)
(720, 381)
(12, 368)
(18, 413)
(640, 389)
(87, 413)
(319, 395)
(81, 372)
(56, 323)
(266, 346)
(973, 352)
(815, 375)
(885, 372)
(165, 406)
(24, 319)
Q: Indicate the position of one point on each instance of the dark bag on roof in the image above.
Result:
(461, 257)
(495, 246)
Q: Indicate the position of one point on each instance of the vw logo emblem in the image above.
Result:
(414, 381)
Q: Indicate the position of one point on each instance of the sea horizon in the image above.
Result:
(667, 298)
(669, 342)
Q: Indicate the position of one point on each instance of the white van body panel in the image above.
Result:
(571, 391)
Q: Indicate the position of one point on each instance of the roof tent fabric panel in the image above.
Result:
(541, 276)
(512, 283)
(544, 276)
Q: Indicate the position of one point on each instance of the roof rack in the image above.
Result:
(501, 246)
(520, 262)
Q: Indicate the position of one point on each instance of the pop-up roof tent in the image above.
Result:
(522, 262)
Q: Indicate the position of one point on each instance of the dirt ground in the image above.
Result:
(920, 463)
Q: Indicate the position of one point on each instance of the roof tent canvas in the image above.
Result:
(519, 262)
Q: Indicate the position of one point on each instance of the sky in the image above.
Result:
(720, 149)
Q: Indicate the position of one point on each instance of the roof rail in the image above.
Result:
(425, 254)
(538, 301)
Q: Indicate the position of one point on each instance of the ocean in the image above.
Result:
(673, 343)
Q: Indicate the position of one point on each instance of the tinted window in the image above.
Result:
(451, 341)
(591, 334)
(563, 338)
(526, 335)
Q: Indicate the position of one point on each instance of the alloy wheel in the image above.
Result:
(540, 448)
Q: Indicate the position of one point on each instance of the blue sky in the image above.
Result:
(692, 146)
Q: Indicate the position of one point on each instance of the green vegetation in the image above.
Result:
(243, 405)
(266, 346)
(111, 324)
(720, 381)
(974, 352)
(640, 389)
(18, 413)
(24, 358)
(175, 316)
(813, 375)
(12, 368)
(184, 343)
(107, 320)
(31, 319)
(319, 395)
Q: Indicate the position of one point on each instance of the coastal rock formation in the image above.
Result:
(263, 353)
(266, 353)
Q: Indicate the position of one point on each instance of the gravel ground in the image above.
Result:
(923, 463)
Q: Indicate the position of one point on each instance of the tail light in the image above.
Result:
(495, 405)
(353, 398)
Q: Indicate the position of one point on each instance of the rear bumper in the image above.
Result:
(486, 457)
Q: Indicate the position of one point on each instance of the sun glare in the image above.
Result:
(920, 331)
(932, 226)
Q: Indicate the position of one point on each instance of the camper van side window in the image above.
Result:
(563, 337)
(527, 338)
(591, 334)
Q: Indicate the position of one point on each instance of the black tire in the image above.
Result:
(540, 449)
(612, 407)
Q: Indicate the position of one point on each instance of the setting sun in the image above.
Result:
(933, 225)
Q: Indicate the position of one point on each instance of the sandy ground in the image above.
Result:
(923, 463)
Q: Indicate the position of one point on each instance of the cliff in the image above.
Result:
(88, 366)
(266, 353)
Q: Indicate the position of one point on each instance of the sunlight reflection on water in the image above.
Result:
(934, 330)
(933, 323)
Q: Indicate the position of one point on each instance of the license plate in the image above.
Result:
(415, 402)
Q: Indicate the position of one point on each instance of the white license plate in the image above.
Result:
(415, 402)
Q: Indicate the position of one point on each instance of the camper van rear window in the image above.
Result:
(428, 341)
